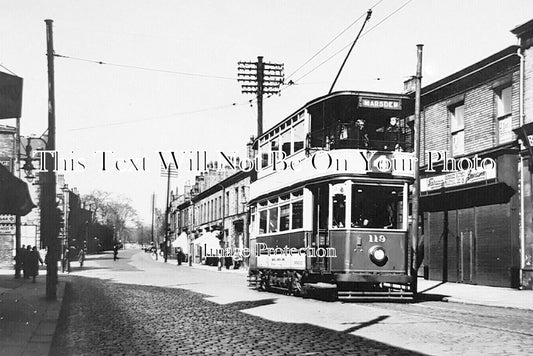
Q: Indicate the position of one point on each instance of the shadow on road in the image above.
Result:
(99, 317)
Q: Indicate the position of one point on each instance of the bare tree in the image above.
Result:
(113, 211)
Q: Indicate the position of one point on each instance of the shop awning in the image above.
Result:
(467, 197)
(14, 194)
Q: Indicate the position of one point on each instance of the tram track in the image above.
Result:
(479, 315)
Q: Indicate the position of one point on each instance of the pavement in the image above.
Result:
(28, 320)
(449, 292)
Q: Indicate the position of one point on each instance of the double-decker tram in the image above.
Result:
(329, 207)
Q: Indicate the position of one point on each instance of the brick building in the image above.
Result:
(7, 223)
(478, 224)
(213, 215)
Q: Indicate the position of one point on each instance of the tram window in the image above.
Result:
(297, 214)
(339, 211)
(284, 217)
(273, 220)
(275, 144)
(286, 142)
(252, 224)
(376, 206)
(299, 136)
(262, 221)
(265, 154)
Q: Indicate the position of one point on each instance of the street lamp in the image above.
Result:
(28, 158)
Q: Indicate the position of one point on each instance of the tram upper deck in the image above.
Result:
(343, 133)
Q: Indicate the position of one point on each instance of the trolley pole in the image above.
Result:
(416, 190)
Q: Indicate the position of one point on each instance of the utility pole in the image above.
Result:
(260, 78)
(416, 186)
(167, 209)
(153, 217)
(48, 200)
(18, 232)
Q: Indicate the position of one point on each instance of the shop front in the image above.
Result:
(471, 224)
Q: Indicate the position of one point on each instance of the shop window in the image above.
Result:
(273, 219)
(503, 112)
(457, 122)
(297, 214)
(284, 214)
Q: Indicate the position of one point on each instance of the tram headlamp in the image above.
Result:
(378, 255)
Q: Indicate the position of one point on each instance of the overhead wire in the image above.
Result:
(349, 44)
(201, 75)
(118, 123)
(332, 40)
(190, 74)
(9, 70)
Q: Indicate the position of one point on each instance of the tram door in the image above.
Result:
(320, 237)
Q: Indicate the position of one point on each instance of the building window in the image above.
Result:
(457, 120)
(236, 200)
(226, 205)
(503, 113)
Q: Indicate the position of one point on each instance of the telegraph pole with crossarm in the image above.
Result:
(260, 78)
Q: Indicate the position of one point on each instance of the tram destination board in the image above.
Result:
(380, 103)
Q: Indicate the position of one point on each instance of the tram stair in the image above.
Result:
(390, 293)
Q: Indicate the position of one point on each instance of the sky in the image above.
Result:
(187, 98)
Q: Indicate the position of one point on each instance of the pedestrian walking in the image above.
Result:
(81, 257)
(19, 260)
(34, 258)
(179, 255)
(25, 261)
(115, 252)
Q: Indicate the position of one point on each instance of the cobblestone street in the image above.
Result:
(113, 319)
(183, 310)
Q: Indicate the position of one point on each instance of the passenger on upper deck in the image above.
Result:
(361, 135)
(393, 135)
